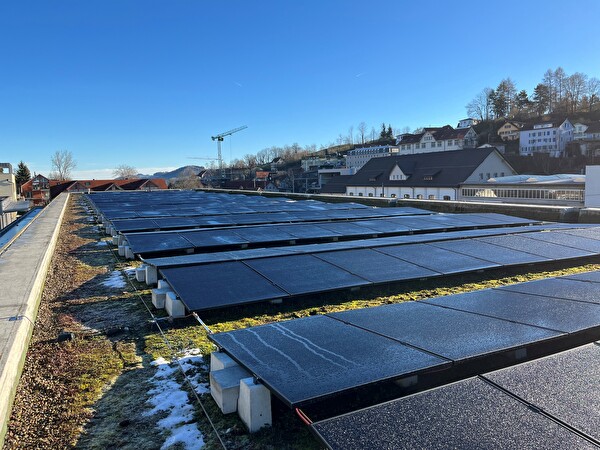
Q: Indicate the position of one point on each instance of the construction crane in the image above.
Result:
(219, 138)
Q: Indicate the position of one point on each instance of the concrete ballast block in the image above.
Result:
(151, 275)
(115, 240)
(220, 361)
(173, 305)
(121, 250)
(254, 404)
(158, 297)
(129, 253)
(140, 274)
(163, 284)
(225, 387)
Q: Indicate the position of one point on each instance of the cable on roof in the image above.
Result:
(155, 320)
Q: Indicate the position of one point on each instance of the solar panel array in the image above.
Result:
(244, 236)
(309, 359)
(550, 403)
(328, 267)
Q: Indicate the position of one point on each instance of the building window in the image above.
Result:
(439, 144)
(420, 196)
(360, 194)
(431, 197)
(393, 195)
(370, 194)
(406, 196)
(446, 197)
(351, 193)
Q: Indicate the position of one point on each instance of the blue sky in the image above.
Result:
(146, 83)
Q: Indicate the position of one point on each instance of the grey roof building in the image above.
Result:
(435, 175)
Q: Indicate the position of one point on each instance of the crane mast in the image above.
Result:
(219, 138)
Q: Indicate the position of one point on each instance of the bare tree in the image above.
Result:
(362, 131)
(62, 165)
(124, 171)
(575, 87)
(480, 106)
(593, 91)
(350, 138)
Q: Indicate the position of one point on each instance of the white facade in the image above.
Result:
(360, 156)
(592, 187)
(429, 143)
(546, 138)
(421, 193)
(579, 130)
(467, 123)
(493, 167)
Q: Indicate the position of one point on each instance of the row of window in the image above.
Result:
(489, 175)
(541, 133)
(431, 145)
(406, 196)
(530, 193)
(540, 147)
(533, 141)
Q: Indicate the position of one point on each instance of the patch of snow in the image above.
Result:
(129, 271)
(168, 395)
(115, 280)
(101, 243)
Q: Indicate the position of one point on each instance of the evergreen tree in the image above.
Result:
(23, 175)
(383, 133)
(389, 133)
(542, 98)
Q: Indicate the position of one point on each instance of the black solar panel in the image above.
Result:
(303, 274)
(471, 414)
(452, 334)
(306, 359)
(559, 288)
(553, 313)
(436, 259)
(536, 247)
(489, 252)
(375, 266)
(220, 285)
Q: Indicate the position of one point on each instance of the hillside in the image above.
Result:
(177, 173)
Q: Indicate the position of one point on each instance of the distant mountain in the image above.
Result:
(177, 173)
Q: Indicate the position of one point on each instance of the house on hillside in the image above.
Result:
(439, 139)
(358, 157)
(467, 123)
(545, 137)
(509, 131)
(432, 175)
(579, 130)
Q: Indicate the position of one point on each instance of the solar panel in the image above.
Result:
(264, 234)
(586, 276)
(558, 288)
(303, 274)
(556, 314)
(156, 242)
(489, 252)
(546, 249)
(436, 259)
(471, 414)
(212, 286)
(213, 238)
(564, 385)
(452, 334)
(568, 240)
(347, 229)
(306, 359)
(375, 266)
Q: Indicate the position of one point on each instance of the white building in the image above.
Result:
(592, 187)
(579, 130)
(546, 137)
(358, 157)
(560, 189)
(432, 176)
(437, 140)
(467, 123)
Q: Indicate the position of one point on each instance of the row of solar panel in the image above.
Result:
(550, 403)
(226, 220)
(254, 253)
(223, 284)
(305, 360)
(154, 242)
(200, 205)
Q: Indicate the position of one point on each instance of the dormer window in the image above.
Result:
(427, 178)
